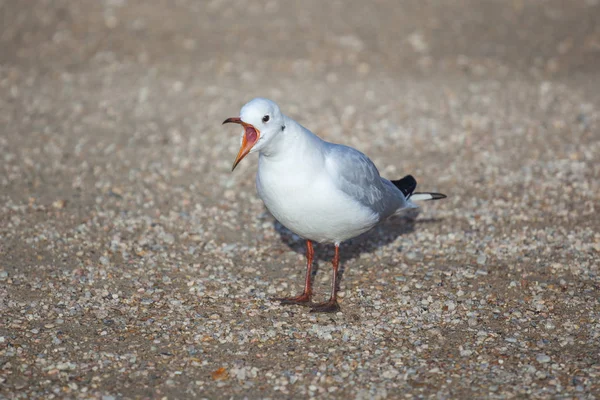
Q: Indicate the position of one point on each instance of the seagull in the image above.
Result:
(321, 191)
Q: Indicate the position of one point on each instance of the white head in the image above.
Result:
(262, 121)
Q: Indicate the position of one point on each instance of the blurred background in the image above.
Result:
(117, 73)
(129, 252)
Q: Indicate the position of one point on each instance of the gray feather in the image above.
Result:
(357, 176)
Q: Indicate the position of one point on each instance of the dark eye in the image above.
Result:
(266, 118)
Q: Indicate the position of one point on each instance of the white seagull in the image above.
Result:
(321, 191)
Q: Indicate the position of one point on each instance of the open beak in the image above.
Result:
(251, 135)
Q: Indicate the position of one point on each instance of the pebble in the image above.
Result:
(481, 259)
(543, 358)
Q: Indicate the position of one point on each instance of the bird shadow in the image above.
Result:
(369, 242)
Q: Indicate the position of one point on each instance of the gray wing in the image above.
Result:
(356, 175)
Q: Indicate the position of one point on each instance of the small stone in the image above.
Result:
(543, 358)
(363, 68)
(390, 373)
(541, 375)
(62, 366)
(418, 43)
(59, 204)
(168, 238)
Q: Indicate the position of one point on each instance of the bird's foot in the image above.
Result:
(301, 300)
(330, 306)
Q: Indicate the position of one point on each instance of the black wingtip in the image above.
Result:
(406, 185)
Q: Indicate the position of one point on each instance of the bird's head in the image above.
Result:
(262, 121)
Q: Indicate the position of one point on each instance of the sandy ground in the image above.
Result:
(134, 264)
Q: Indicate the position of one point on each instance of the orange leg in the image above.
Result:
(304, 298)
(332, 304)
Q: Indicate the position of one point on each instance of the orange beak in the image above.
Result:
(251, 136)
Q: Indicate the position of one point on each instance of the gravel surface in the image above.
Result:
(134, 264)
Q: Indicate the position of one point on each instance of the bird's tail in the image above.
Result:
(422, 196)
(408, 184)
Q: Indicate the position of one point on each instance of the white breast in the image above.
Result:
(306, 202)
